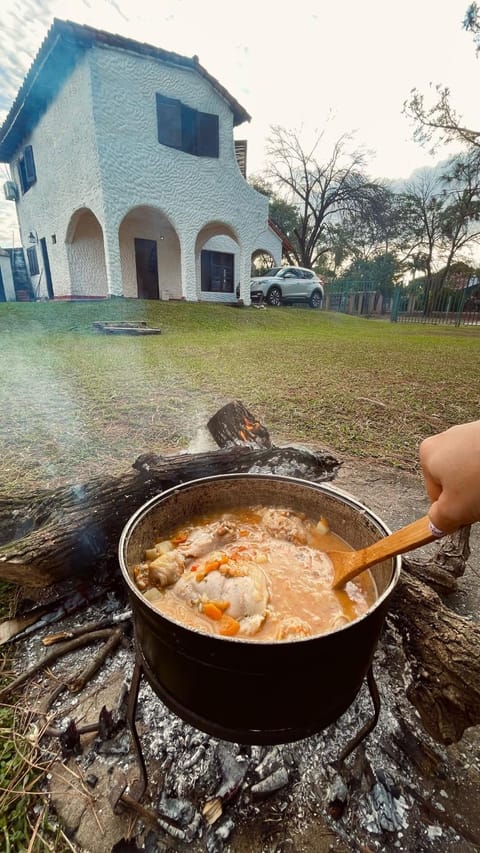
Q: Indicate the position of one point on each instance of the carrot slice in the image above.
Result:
(222, 605)
(212, 611)
(212, 566)
(228, 626)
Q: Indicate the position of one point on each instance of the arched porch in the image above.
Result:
(86, 255)
(217, 260)
(149, 255)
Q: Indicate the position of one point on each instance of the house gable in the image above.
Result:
(59, 53)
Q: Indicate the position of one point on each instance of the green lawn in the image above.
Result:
(74, 402)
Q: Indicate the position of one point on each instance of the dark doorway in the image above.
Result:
(3, 298)
(147, 268)
(217, 272)
(46, 267)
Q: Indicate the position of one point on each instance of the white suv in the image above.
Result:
(283, 285)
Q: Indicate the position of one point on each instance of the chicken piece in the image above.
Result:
(205, 539)
(291, 627)
(246, 592)
(141, 576)
(166, 569)
(284, 524)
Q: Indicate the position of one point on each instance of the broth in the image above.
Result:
(256, 573)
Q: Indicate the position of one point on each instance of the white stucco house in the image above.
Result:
(126, 175)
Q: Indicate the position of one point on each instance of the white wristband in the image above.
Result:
(435, 531)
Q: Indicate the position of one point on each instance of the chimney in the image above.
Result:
(241, 155)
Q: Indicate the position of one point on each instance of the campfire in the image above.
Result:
(386, 774)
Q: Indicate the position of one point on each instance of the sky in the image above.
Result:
(348, 65)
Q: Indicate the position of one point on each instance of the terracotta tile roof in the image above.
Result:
(59, 52)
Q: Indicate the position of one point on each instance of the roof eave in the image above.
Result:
(56, 58)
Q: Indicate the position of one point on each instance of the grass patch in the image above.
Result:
(75, 403)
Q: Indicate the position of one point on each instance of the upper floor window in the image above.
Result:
(186, 129)
(26, 168)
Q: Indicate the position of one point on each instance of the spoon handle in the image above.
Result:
(406, 539)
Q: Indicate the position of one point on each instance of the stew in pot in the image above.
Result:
(257, 573)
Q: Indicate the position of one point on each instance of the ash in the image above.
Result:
(396, 791)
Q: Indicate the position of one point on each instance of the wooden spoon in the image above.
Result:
(348, 564)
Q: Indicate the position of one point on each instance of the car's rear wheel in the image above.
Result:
(274, 297)
(316, 299)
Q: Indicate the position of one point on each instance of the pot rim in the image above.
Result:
(345, 497)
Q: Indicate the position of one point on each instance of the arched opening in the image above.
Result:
(149, 255)
(217, 262)
(86, 256)
(262, 260)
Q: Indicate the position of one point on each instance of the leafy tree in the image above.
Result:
(381, 272)
(388, 227)
(321, 191)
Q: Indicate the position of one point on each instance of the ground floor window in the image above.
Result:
(217, 272)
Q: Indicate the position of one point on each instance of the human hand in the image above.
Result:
(450, 463)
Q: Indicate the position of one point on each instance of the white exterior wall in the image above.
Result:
(7, 277)
(268, 241)
(96, 149)
(68, 178)
(137, 170)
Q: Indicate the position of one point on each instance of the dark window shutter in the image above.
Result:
(189, 130)
(207, 135)
(22, 175)
(169, 121)
(29, 162)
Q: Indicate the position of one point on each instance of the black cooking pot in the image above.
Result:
(242, 690)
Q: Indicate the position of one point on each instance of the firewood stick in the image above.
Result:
(50, 639)
(81, 680)
(52, 656)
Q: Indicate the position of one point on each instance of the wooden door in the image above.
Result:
(147, 268)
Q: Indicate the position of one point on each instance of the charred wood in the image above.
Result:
(447, 564)
(234, 424)
(443, 651)
(70, 531)
(52, 656)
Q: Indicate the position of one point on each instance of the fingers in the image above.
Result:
(441, 517)
(432, 487)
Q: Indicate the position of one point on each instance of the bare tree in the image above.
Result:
(322, 191)
(440, 123)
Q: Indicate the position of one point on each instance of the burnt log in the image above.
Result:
(71, 531)
(446, 565)
(443, 652)
(234, 424)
